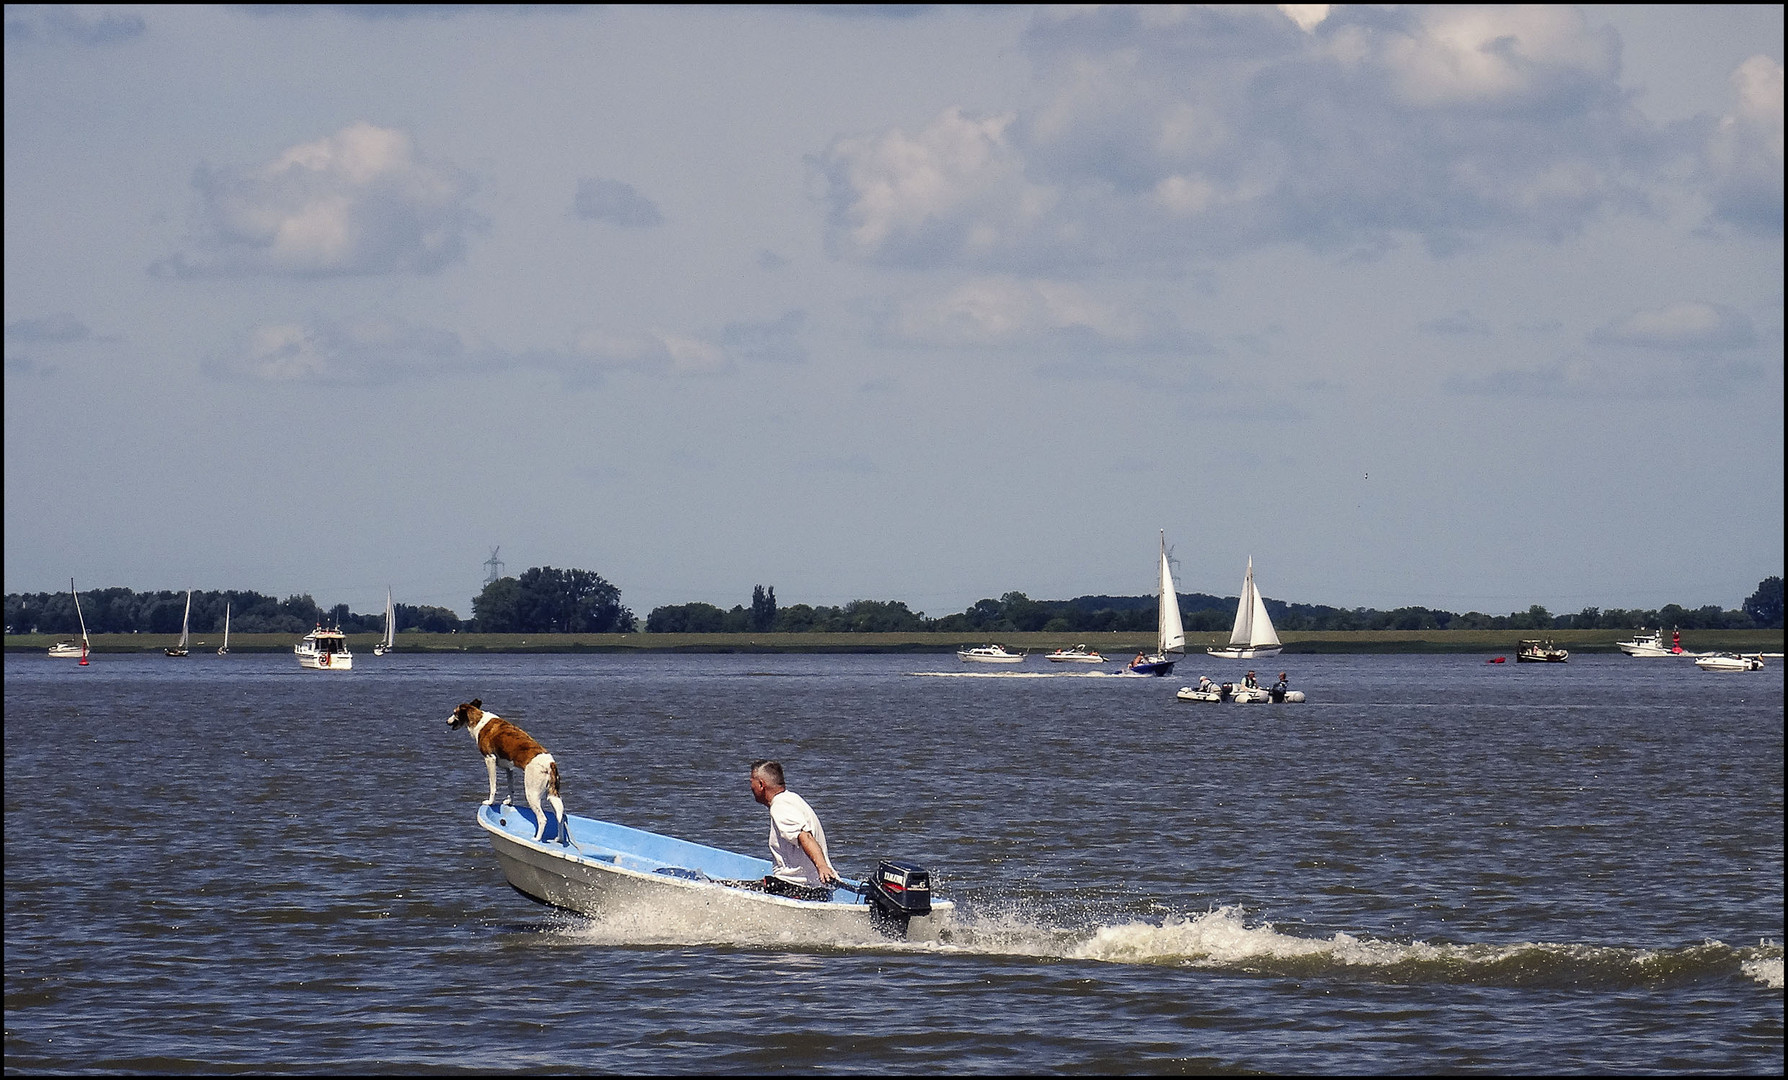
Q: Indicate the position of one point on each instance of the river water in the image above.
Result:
(1433, 865)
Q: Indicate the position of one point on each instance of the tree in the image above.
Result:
(497, 609)
(763, 608)
(1765, 605)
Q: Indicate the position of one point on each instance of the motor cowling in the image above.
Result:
(897, 892)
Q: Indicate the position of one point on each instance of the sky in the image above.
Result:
(1466, 308)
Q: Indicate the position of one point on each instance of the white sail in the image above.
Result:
(390, 641)
(186, 620)
(1253, 629)
(223, 650)
(78, 615)
(1262, 629)
(1170, 633)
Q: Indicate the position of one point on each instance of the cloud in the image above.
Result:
(60, 328)
(1743, 155)
(374, 350)
(1170, 134)
(361, 201)
(1688, 326)
(1004, 312)
(616, 203)
(1458, 324)
(69, 26)
(775, 342)
(345, 352)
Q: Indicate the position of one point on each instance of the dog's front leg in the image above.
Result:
(490, 764)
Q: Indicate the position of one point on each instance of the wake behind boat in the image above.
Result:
(609, 869)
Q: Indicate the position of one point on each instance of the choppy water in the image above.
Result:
(1433, 865)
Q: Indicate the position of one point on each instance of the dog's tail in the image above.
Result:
(552, 779)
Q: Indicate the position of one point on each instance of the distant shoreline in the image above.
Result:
(1115, 645)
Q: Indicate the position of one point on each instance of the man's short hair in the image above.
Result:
(771, 770)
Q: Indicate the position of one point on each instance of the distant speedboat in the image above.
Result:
(1730, 662)
(989, 654)
(1652, 644)
(324, 650)
(1079, 654)
(1540, 651)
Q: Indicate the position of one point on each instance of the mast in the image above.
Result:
(1170, 632)
(78, 615)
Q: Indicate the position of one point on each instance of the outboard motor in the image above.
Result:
(897, 892)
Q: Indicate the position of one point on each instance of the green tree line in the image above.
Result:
(123, 611)
(544, 600)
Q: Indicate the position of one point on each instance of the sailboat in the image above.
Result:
(68, 646)
(1170, 633)
(224, 649)
(1252, 636)
(185, 627)
(390, 641)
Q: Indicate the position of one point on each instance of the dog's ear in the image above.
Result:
(477, 703)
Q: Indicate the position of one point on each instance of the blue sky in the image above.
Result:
(1473, 308)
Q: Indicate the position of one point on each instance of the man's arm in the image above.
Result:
(812, 848)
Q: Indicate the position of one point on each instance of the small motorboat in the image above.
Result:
(324, 650)
(989, 654)
(1540, 651)
(603, 868)
(1652, 644)
(1726, 661)
(1079, 654)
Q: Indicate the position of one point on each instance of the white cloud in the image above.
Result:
(361, 201)
(649, 352)
(1685, 326)
(949, 187)
(1744, 153)
(1033, 315)
(1187, 133)
(616, 203)
(353, 351)
(63, 25)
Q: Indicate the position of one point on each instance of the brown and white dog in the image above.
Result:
(499, 740)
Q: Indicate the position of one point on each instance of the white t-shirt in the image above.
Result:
(790, 816)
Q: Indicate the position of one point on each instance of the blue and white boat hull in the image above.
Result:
(613, 871)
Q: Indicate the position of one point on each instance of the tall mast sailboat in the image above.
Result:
(390, 641)
(68, 646)
(224, 649)
(1170, 632)
(1252, 636)
(185, 629)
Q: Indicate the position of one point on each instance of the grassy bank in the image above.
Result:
(1116, 645)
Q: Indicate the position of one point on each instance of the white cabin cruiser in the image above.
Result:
(1652, 644)
(1726, 661)
(989, 654)
(601, 867)
(324, 650)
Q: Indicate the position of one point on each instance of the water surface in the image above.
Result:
(1435, 864)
